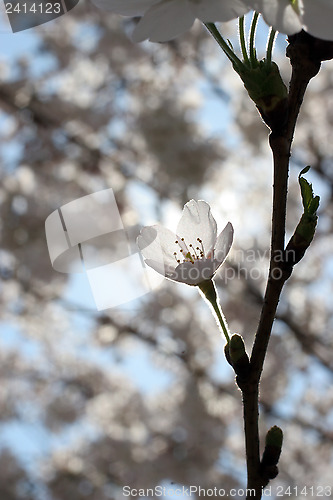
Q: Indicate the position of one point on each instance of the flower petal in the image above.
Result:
(164, 21)
(278, 13)
(161, 268)
(223, 243)
(197, 222)
(195, 273)
(318, 18)
(215, 10)
(126, 7)
(158, 243)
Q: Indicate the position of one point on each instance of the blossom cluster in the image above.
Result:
(163, 20)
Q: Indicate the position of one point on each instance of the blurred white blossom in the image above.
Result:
(163, 20)
(291, 16)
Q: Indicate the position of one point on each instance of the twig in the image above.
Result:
(280, 142)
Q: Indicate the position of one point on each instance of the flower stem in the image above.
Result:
(270, 44)
(223, 44)
(222, 321)
(253, 55)
(242, 40)
(208, 289)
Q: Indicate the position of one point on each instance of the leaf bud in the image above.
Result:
(274, 440)
(268, 91)
(238, 356)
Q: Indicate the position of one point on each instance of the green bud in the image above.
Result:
(272, 452)
(274, 437)
(306, 227)
(238, 357)
(268, 91)
(263, 82)
(310, 202)
(305, 231)
(236, 348)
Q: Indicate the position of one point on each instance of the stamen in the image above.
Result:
(202, 247)
(201, 252)
(181, 244)
(197, 252)
(195, 256)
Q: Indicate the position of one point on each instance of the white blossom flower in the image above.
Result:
(163, 20)
(291, 16)
(194, 253)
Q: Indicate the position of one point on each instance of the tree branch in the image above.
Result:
(303, 69)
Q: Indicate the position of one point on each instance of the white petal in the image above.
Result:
(223, 243)
(161, 268)
(164, 21)
(280, 14)
(193, 274)
(158, 243)
(318, 18)
(197, 222)
(217, 10)
(125, 7)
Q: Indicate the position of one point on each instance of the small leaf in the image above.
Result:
(310, 202)
(314, 205)
(304, 171)
(306, 192)
(306, 227)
